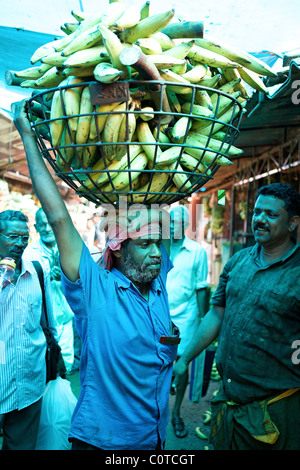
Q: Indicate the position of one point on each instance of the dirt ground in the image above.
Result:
(192, 415)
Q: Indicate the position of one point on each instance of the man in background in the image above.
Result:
(23, 367)
(187, 289)
(45, 250)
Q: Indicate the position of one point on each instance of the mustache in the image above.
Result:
(154, 262)
(259, 225)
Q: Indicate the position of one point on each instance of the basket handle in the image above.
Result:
(135, 58)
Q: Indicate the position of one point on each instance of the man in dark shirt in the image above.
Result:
(256, 313)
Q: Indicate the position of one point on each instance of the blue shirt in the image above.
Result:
(125, 371)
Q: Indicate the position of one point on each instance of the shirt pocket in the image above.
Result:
(168, 352)
(33, 317)
(283, 302)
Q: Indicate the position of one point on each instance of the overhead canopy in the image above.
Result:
(268, 117)
(16, 49)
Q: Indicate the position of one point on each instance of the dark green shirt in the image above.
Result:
(260, 324)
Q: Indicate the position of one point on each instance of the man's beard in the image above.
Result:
(140, 274)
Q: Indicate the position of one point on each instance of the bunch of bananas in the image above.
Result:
(156, 145)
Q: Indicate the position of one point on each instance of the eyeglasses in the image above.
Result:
(15, 238)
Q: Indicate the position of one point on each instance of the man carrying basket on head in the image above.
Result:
(122, 315)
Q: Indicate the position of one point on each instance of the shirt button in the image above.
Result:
(229, 380)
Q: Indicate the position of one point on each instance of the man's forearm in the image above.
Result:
(207, 332)
(201, 295)
(43, 184)
(68, 239)
(42, 181)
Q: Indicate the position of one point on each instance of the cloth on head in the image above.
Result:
(140, 222)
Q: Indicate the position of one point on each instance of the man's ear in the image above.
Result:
(294, 221)
(117, 254)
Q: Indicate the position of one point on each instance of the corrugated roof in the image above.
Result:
(269, 116)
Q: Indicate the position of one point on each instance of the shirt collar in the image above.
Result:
(255, 251)
(186, 244)
(27, 266)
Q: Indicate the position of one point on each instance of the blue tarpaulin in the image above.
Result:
(270, 58)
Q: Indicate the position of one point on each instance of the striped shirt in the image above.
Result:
(22, 341)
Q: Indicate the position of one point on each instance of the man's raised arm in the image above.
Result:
(68, 239)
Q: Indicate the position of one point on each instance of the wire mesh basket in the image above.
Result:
(168, 149)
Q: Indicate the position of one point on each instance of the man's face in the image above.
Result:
(177, 225)
(44, 229)
(14, 238)
(141, 260)
(270, 221)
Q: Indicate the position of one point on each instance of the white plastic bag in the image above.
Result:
(57, 408)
